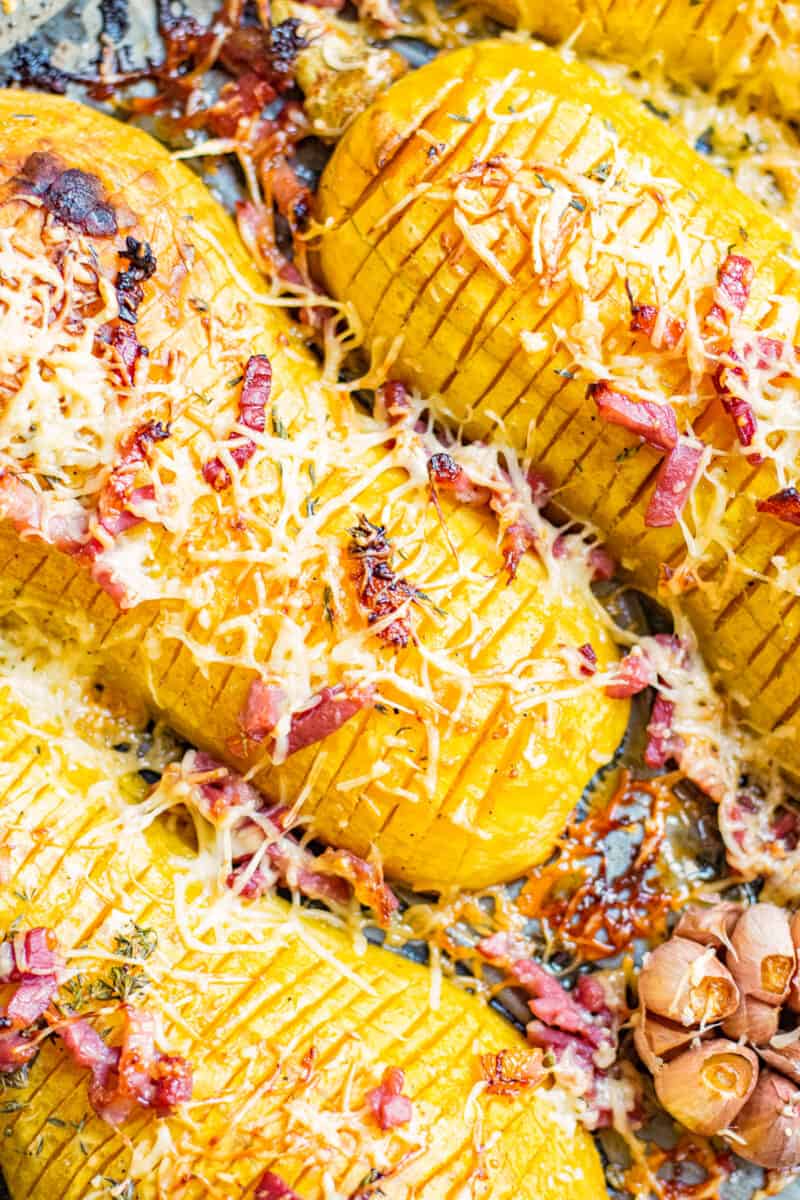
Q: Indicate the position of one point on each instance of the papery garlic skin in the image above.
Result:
(762, 958)
(793, 999)
(656, 1040)
(706, 1088)
(785, 1060)
(687, 983)
(767, 1130)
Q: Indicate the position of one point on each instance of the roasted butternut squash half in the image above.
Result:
(266, 1037)
(552, 265)
(750, 48)
(241, 546)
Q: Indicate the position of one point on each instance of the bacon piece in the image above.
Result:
(603, 565)
(509, 1072)
(589, 665)
(128, 347)
(674, 482)
(272, 1187)
(118, 491)
(633, 674)
(662, 743)
(141, 1076)
(253, 401)
(380, 590)
(644, 319)
(546, 1038)
(31, 960)
(15, 1050)
(31, 999)
(654, 422)
(785, 505)
(262, 710)
(446, 474)
(366, 880)
(734, 280)
(34, 952)
(332, 707)
(389, 1106)
(394, 401)
(518, 538)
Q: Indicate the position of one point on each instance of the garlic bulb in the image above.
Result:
(707, 1087)
(710, 926)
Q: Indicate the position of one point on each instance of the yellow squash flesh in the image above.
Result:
(395, 251)
(453, 776)
(285, 1026)
(751, 48)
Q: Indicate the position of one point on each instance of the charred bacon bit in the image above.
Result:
(654, 422)
(674, 482)
(271, 1187)
(509, 1072)
(389, 1106)
(380, 591)
(118, 492)
(128, 347)
(331, 708)
(142, 265)
(589, 664)
(446, 474)
(72, 197)
(785, 505)
(172, 1084)
(253, 401)
(633, 674)
(662, 743)
(734, 280)
(366, 880)
(250, 50)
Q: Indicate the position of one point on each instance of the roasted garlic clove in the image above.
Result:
(762, 957)
(687, 983)
(783, 1054)
(793, 999)
(706, 1088)
(656, 1040)
(754, 1021)
(710, 926)
(767, 1131)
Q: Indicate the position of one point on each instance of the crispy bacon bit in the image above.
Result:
(394, 401)
(31, 961)
(331, 707)
(272, 1187)
(509, 1072)
(785, 505)
(644, 319)
(389, 1106)
(72, 197)
(118, 492)
(603, 565)
(654, 422)
(734, 280)
(662, 743)
(518, 538)
(132, 1075)
(589, 664)
(16, 1049)
(262, 710)
(366, 880)
(674, 483)
(253, 401)
(633, 674)
(141, 266)
(127, 345)
(380, 591)
(446, 474)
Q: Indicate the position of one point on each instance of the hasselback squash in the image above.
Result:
(240, 545)
(282, 1028)
(750, 48)
(555, 267)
